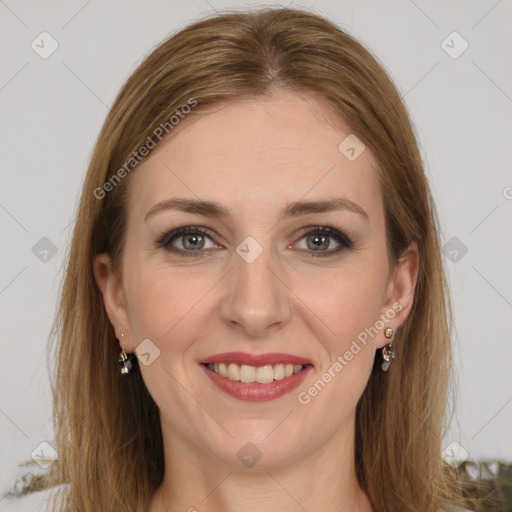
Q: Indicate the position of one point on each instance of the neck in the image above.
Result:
(324, 480)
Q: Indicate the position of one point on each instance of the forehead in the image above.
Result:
(256, 155)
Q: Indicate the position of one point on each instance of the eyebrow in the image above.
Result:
(295, 209)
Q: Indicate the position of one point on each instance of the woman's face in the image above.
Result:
(284, 268)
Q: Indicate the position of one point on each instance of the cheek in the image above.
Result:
(347, 312)
(346, 309)
(161, 301)
(347, 300)
(162, 307)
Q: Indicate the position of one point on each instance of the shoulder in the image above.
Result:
(32, 502)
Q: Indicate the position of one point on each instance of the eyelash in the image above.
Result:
(165, 239)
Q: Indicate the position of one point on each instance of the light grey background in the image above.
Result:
(52, 110)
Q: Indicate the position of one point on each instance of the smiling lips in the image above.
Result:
(256, 378)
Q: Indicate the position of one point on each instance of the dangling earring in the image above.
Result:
(125, 359)
(387, 351)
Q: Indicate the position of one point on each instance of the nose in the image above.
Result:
(257, 301)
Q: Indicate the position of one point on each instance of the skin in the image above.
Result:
(255, 157)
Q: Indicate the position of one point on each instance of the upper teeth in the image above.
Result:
(260, 374)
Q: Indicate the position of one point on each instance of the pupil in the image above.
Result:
(319, 241)
(195, 242)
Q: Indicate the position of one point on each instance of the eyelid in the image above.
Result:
(163, 241)
(327, 230)
(344, 241)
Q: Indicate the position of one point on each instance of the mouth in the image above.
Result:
(256, 378)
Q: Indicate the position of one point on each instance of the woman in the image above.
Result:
(255, 314)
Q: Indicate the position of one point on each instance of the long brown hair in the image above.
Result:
(107, 428)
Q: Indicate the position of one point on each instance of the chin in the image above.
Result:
(256, 448)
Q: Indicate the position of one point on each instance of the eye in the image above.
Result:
(319, 240)
(187, 240)
(195, 240)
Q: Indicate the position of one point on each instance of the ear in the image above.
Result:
(399, 296)
(114, 298)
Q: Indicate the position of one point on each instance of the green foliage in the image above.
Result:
(34, 480)
(487, 485)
